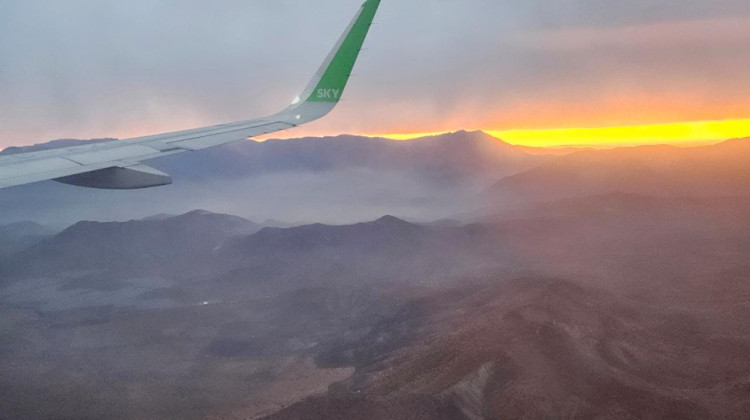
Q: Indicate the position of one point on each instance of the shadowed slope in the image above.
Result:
(535, 348)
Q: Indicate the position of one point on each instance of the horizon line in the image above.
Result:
(679, 134)
(683, 134)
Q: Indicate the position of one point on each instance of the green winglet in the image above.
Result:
(334, 74)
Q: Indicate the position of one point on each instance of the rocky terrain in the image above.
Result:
(624, 295)
(537, 348)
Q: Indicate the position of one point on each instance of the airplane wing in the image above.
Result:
(117, 164)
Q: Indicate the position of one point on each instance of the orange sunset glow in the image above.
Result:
(557, 75)
(679, 134)
(599, 121)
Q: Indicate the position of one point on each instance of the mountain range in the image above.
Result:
(708, 171)
(352, 179)
(533, 348)
(339, 179)
(587, 284)
(595, 306)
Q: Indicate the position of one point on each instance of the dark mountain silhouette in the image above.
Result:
(251, 260)
(448, 155)
(180, 243)
(386, 251)
(617, 305)
(440, 158)
(371, 236)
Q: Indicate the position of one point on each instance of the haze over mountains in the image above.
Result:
(341, 179)
(708, 171)
(352, 179)
(437, 320)
(16, 237)
(596, 284)
(144, 246)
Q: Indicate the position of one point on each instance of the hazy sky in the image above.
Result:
(95, 68)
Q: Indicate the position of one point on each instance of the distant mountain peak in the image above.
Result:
(470, 132)
(199, 213)
(475, 135)
(391, 220)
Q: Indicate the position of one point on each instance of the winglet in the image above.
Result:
(327, 86)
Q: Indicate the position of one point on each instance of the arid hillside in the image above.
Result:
(537, 348)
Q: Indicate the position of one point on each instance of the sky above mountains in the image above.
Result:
(105, 68)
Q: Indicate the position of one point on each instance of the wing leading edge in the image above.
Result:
(117, 164)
